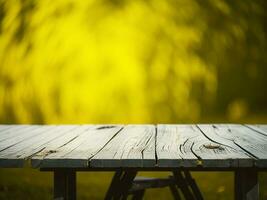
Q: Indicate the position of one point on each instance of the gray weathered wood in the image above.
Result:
(31, 146)
(258, 128)
(100, 146)
(250, 141)
(172, 146)
(186, 145)
(16, 130)
(24, 134)
(5, 127)
(134, 146)
(58, 143)
(77, 152)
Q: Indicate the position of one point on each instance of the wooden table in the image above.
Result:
(65, 149)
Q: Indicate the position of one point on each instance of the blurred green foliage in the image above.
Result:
(132, 61)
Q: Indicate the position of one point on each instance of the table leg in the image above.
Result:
(127, 181)
(64, 185)
(246, 184)
(138, 195)
(175, 193)
(183, 185)
(121, 184)
(115, 185)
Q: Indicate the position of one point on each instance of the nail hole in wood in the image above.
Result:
(105, 127)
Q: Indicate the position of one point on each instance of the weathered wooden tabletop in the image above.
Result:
(144, 146)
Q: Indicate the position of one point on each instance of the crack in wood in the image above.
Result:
(47, 152)
(156, 156)
(212, 139)
(256, 130)
(249, 153)
(88, 160)
(206, 145)
(199, 161)
(69, 141)
(29, 136)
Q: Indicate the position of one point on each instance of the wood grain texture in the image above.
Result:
(5, 127)
(134, 146)
(186, 145)
(16, 130)
(77, 151)
(26, 148)
(250, 141)
(262, 129)
(107, 146)
(172, 146)
(23, 134)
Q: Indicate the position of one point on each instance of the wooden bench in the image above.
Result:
(66, 149)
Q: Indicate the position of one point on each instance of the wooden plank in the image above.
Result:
(54, 140)
(4, 127)
(57, 143)
(27, 134)
(77, 152)
(186, 145)
(15, 144)
(258, 128)
(16, 130)
(172, 146)
(262, 127)
(211, 132)
(250, 141)
(134, 146)
(29, 147)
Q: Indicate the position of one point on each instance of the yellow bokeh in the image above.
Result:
(105, 61)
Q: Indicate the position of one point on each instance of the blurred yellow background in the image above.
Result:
(132, 61)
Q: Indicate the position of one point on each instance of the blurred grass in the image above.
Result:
(29, 184)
